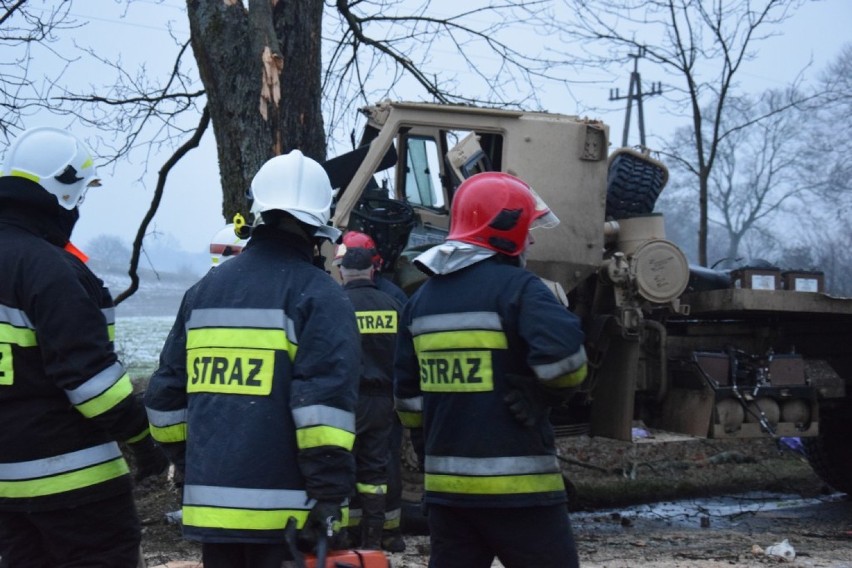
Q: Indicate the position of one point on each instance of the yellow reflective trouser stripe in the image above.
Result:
(466, 339)
(246, 519)
(169, 434)
(392, 519)
(569, 380)
(410, 419)
(139, 437)
(354, 517)
(371, 489)
(241, 338)
(107, 399)
(316, 436)
(494, 485)
(17, 336)
(64, 482)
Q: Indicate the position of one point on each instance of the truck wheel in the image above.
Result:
(830, 453)
(634, 182)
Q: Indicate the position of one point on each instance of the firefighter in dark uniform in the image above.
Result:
(255, 394)
(392, 540)
(65, 399)
(377, 314)
(483, 349)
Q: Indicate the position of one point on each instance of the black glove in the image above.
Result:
(529, 401)
(148, 458)
(323, 520)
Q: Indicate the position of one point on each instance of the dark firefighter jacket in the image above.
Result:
(377, 314)
(64, 397)
(461, 333)
(257, 386)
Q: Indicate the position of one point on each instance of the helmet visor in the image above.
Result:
(543, 217)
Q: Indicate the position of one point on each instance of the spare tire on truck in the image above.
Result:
(634, 182)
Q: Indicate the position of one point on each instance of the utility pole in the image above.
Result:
(635, 93)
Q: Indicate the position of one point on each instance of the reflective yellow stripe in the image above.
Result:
(139, 437)
(392, 519)
(494, 485)
(25, 175)
(17, 336)
(354, 518)
(461, 340)
(241, 338)
(169, 434)
(64, 482)
(316, 436)
(111, 331)
(410, 419)
(569, 380)
(371, 489)
(107, 399)
(246, 519)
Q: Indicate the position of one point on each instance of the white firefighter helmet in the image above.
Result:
(298, 185)
(225, 245)
(58, 161)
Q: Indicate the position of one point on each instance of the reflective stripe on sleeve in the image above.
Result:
(320, 425)
(167, 426)
(102, 392)
(109, 316)
(562, 367)
(410, 411)
(63, 473)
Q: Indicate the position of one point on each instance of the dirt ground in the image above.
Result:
(611, 478)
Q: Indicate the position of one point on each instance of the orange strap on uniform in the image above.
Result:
(76, 252)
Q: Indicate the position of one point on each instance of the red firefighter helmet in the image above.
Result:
(357, 239)
(496, 210)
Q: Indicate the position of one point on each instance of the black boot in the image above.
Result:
(371, 534)
(372, 521)
(392, 541)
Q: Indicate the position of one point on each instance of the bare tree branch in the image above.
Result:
(193, 142)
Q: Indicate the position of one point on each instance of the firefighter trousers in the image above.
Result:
(103, 534)
(520, 537)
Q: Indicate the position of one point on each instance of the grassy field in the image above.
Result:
(138, 341)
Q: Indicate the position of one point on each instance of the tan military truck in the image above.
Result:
(752, 352)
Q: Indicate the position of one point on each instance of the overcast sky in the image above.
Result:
(191, 208)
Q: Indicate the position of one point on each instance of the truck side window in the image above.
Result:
(423, 173)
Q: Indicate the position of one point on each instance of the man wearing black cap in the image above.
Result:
(377, 314)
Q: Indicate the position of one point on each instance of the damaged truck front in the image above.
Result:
(750, 352)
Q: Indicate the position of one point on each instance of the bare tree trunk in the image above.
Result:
(239, 55)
